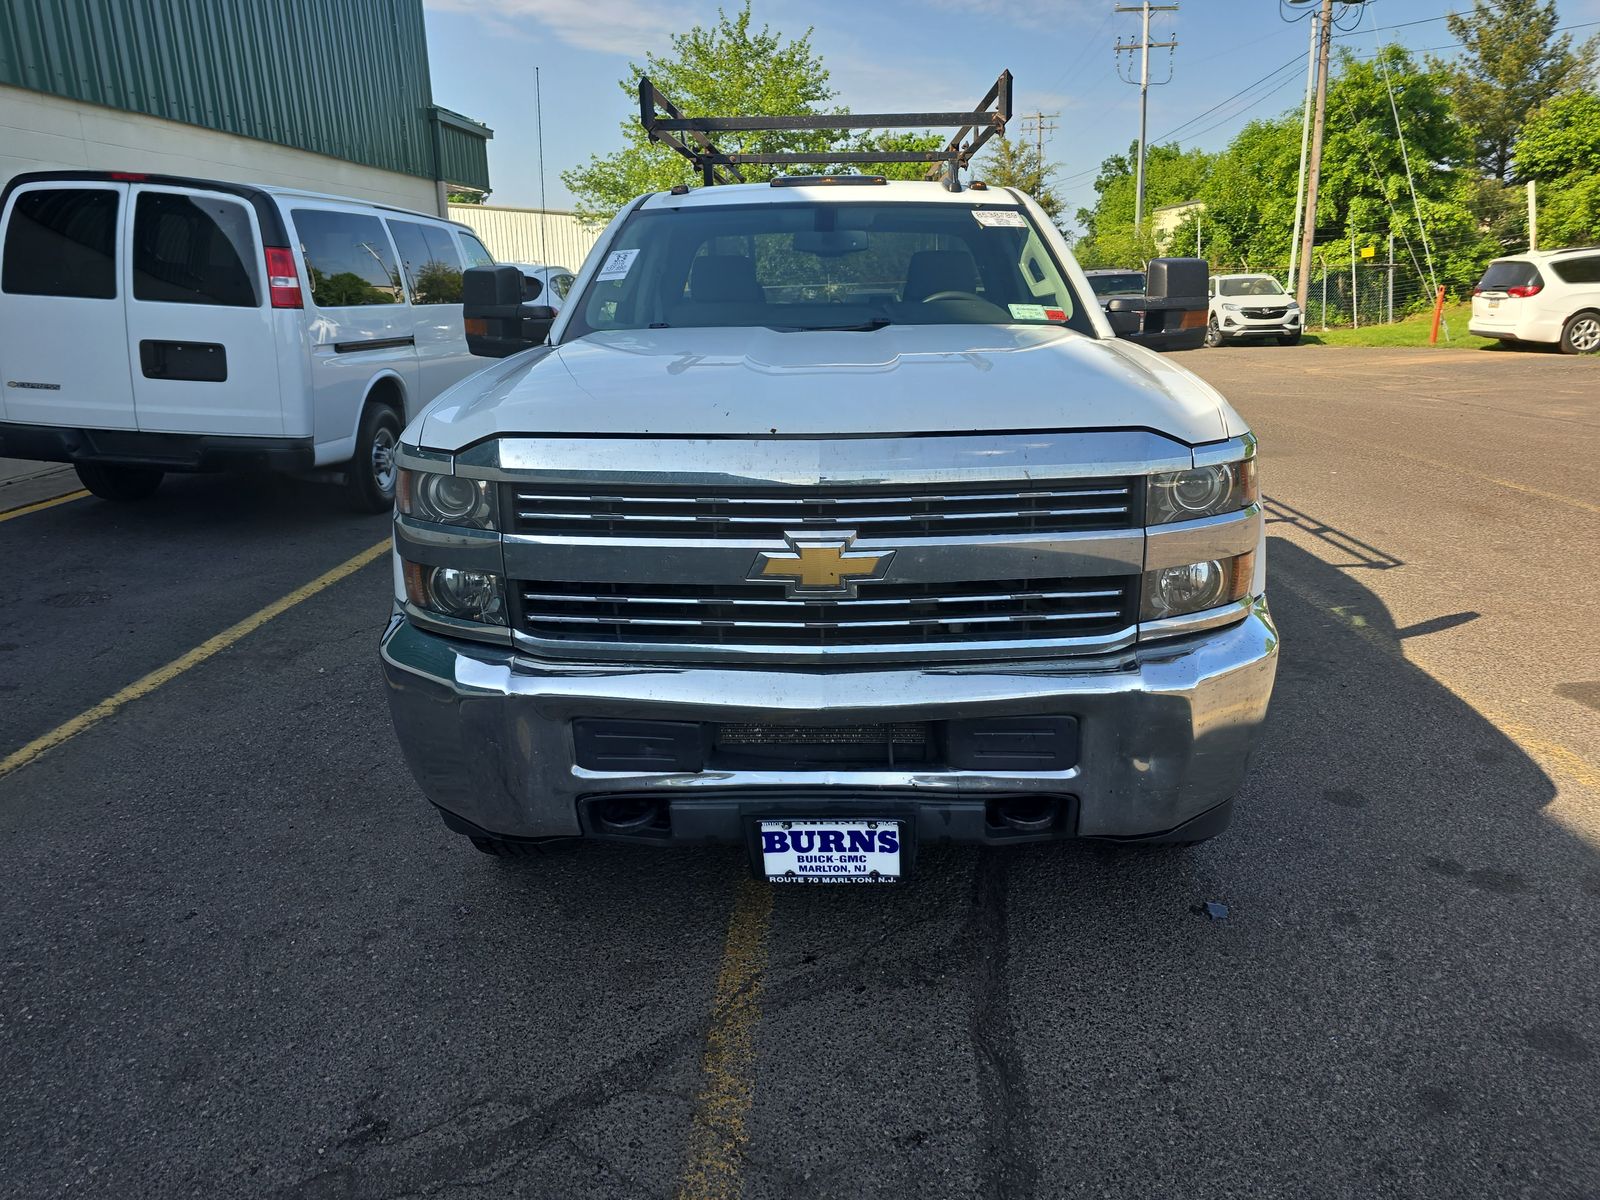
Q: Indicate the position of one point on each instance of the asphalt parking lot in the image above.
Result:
(242, 958)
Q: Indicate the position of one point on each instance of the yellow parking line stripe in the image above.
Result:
(23, 510)
(718, 1138)
(143, 687)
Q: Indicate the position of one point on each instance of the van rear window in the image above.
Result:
(349, 258)
(1509, 274)
(62, 242)
(194, 250)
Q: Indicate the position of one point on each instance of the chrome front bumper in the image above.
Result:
(1166, 729)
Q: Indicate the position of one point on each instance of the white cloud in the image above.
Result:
(629, 27)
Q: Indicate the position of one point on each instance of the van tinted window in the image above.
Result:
(433, 269)
(62, 242)
(193, 250)
(1508, 273)
(349, 259)
(477, 256)
(561, 284)
(1578, 270)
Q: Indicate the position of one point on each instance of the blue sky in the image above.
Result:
(901, 54)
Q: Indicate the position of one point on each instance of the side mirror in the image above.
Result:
(1177, 283)
(498, 322)
(1126, 314)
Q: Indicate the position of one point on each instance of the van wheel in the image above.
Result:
(119, 483)
(1581, 334)
(371, 474)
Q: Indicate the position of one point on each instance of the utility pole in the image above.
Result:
(1300, 179)
(1042, 124)
(1144, 45)
(1308, 234)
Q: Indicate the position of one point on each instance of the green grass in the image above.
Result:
(1412, 331)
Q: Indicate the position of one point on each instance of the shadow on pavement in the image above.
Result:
(1403, 997)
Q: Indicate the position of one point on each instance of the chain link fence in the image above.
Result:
(1376, 289)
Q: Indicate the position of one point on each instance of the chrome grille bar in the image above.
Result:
(760, 614)
(747, 512)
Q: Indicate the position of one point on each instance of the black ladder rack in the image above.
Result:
(664, 123)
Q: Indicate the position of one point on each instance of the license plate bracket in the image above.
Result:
(829, 849)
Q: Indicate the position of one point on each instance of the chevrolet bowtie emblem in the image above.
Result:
(820, 565)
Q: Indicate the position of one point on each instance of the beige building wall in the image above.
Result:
(530, 235)
(48, 133)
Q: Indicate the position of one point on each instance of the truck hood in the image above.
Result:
(760, 382)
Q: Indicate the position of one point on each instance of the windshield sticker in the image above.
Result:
(989, 218)
(617, 264)
(1027, 312)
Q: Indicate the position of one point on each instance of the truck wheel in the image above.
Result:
(1581, 334)
(119, 483)
(1213, 334)
(370, 474)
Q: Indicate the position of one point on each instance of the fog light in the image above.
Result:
(466, 595)
(1195, 587)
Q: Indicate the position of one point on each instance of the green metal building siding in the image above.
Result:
(347, 78)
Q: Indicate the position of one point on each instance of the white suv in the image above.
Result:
(1544, 296)
(1247, 307)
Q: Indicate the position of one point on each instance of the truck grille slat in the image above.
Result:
(768, 512)
(761, 614)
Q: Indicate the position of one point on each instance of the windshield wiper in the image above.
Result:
(864, 327)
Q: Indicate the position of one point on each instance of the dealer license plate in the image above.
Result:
(830, 851)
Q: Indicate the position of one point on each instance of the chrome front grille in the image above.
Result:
(767, 513)
(1262, 314)
(758, 614)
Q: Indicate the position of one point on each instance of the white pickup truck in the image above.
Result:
(831, 519)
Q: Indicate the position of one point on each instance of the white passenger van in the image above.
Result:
(151, 324)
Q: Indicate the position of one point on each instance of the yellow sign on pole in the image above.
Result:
(1368, 251)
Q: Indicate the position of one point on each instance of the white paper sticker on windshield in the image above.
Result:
(1027, 312)
(991, 217)
(617, 265)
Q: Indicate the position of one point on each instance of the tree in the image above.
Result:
(1560, 149)
(894, 143)
(1172, 176)
(1511, 63)
(1018, 165)
(466, 197)
(728, 68)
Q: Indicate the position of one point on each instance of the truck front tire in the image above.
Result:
(112, 482)
(371, 473)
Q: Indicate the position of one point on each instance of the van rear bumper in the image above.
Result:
(166, 451)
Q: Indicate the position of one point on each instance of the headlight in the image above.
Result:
(1200, 492)
(1292, 306)
(1230, 308)
(465, 595)
(446, 499)
(1194, 587)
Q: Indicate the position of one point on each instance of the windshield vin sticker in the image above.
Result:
(1027, 312)
(990, 218)
(617, 264)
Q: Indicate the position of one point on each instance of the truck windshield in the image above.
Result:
(1255, 285)
(1130, 284)
(804, 266)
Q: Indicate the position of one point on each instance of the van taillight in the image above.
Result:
(1533, 289)
(283, 281)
